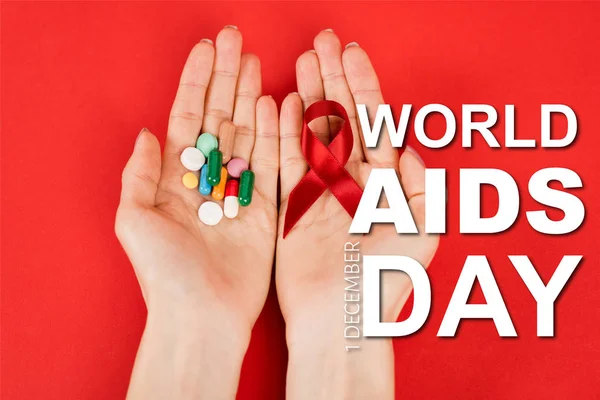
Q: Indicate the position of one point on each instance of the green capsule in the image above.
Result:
(215, 163)
(246, 188)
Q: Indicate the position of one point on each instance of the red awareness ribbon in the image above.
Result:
(326, 166)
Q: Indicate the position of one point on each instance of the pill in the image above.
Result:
(206, 143)
(226, 139)
(215, 162)
(192, 158)
(210, 213)
(190, 180)
(235, 166)
(231, 206)
(246, 188)
(203, 187)
(218, 191)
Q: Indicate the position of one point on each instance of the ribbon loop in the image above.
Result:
(327, 166)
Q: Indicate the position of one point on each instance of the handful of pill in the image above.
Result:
(218, 175)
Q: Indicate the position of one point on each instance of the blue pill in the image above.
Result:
(204, 187)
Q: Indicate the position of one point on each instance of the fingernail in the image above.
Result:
(328, 30)
(231, 26)
(207, 41)
(294, 93)
(311, 51)
(414, 153)
(138, 136)
(352, 44)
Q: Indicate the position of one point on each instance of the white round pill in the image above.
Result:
(192, 158)
(210, 213)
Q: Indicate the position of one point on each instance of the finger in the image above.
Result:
(329, 51)
(310, 88)
(244, 116)
(292, 165)
(142, 172)
(364, 86)
(186, 114)
(265, 156)
(412, 172)
(221, 90)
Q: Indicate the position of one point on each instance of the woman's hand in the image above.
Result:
(310, 260)
(204, 286)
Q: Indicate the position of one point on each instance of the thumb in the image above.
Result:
(142, 172)
(412, 172)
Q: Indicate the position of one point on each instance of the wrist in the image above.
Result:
(188, 354)
(192, 331)
(193, 319)
(324, 364)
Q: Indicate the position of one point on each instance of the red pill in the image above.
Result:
(232, 187)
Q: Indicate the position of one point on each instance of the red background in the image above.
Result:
(79, 80)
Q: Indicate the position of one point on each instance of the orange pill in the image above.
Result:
(190, 180)
(218, 192)
(226, 139)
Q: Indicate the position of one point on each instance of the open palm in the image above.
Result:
(218, 271)
(310, 260)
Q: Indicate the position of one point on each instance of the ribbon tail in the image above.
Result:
(348, 193)
(302, 197)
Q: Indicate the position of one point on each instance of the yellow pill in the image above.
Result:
(218, 191)
(190, 180)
